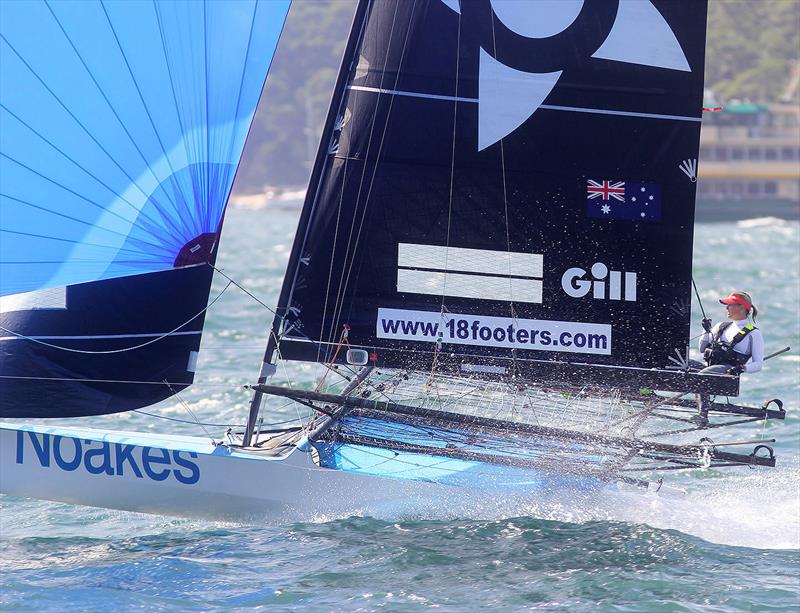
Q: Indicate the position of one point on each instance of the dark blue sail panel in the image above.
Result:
(109, 346)
(121, 129)
(505, 182)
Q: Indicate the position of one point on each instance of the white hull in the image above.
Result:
(190, 477)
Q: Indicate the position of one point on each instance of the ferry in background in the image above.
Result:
(749, 162)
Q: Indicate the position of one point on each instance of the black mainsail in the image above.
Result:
(498, 229)
(506, 189)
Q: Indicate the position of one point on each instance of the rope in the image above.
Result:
(329, 366)
(124, 349)
(186, 421)
(700, 302)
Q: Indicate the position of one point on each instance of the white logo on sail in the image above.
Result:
(469, 273)
(689, 168)
(508, 97)
(575, 285)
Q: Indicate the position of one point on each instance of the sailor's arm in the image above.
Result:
(756, 351)
(706, 338)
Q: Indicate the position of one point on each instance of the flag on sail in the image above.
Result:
(623, 200)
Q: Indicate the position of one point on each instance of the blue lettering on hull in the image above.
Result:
(112, 459)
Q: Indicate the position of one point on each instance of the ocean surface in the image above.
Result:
(732, 543)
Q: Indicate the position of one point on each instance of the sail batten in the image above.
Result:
(548, 107)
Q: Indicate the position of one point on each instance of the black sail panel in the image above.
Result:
(112, 346)
(501, 186)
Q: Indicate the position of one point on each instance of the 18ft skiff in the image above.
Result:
(500, 211)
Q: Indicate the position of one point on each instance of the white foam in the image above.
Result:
(758, 509)
(760, 222)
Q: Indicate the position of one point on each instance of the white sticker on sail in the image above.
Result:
(641, 35)
(453, 4)
(537, 18)
(491, 331)
(191, 365)
(507, 289)
(470, 260)
(507, 97)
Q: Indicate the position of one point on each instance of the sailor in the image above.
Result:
(734, 346)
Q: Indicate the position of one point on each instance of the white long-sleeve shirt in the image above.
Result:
(753, 343)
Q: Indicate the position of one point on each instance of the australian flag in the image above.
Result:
(623, 200)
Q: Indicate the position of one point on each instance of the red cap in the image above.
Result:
(735, 298)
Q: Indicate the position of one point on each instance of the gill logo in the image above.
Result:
(575, 285)
(628, 31)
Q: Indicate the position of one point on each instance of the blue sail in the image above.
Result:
(121, 129)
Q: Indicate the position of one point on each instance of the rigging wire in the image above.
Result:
(188, 410)
(508, 234)
(443, 308)
(184, 421)
(452, 165)
(215, 425)
(345, 279)
(244, 289)
(340, 123)
(131, 381)
(303, 420)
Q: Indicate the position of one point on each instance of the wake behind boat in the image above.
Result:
(502, 199)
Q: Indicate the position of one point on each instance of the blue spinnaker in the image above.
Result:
(121, 128)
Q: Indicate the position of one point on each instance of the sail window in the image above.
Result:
(357, 357)
(51, 298)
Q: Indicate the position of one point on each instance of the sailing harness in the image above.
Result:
(722, 352)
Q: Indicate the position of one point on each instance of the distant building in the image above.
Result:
(750, 162)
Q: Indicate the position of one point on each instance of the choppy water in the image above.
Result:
(731, 544)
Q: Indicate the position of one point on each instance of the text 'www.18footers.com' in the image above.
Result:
(489, 331)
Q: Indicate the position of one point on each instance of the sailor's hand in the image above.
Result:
(736, 370)
(706, 324)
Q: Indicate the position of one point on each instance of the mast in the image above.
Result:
(312, 194)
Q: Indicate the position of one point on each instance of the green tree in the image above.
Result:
(752, 49)
(286, 130)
